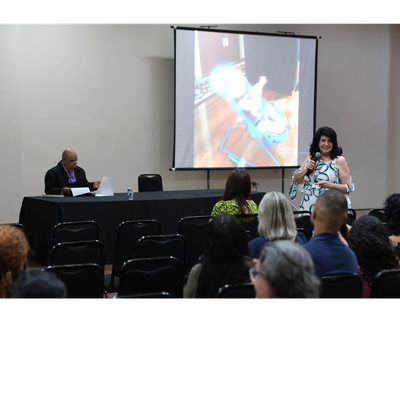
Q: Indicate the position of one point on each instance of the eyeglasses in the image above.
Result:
(72, 161)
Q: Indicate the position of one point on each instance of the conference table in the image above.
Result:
(41, 213)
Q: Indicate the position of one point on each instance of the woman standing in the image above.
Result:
(329, 171)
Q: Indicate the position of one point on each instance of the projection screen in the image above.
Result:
(243, 99)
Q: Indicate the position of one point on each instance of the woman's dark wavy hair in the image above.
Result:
(238, 186)
(326, 131)
(224, 250)
(392, 213)
(370, 243)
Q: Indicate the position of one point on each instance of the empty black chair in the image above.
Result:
(150, 183)
(303, 220)
(162, 246)
(250, 223)
(386, 284)
(75, 231)
(151, 275)
(129, 232)
(240, 291)
(81, 280)
(378, 213)
(194, 230)
(84, 252)
(341, 286)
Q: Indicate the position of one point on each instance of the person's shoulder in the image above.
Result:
(56, 168)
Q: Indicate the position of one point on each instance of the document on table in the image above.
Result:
(106, 187)
(79, 191)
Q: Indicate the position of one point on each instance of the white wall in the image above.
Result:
(107, 91)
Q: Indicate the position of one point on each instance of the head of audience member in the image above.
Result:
(39, 285)
(392, 213)
(369, 241)
(238, 187)
(275, 218)
(69, 159)
(284, 270)
(14, 250)
(329, 212)
(224, 251)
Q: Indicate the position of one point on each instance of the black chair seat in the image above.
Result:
(150, 183)
(386, 284)
(240, 291)
(341, 286)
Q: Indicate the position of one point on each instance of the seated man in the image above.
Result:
(66, 175)
(329, 253)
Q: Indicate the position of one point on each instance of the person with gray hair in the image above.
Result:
(275, 222)
(284, 270)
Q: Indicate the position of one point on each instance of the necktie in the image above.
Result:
(71, 177)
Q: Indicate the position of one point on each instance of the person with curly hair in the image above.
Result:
(14, 248)
(374, 252)
(329, 171)
(392, 216)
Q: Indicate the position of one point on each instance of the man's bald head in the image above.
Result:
(331, 210)
(69, 159)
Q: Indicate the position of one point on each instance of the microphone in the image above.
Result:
(315, 158)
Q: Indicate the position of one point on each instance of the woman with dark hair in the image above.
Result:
(329, 170)
(225, 258)
(392, 216)
(236, 197)
(370, 243)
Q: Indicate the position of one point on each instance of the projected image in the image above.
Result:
(246, 100)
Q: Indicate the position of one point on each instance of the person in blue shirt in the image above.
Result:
(330, 255)
(275, 222)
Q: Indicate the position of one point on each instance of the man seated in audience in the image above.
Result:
(66, 175)
(329, 253)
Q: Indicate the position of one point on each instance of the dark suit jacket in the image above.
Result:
(56, 178)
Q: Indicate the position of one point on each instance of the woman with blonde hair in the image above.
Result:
(14, 250)
(275, 222)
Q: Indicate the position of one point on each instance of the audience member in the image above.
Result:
(14, 250)
(236, 197)
(39, 285)
(225, 259)
(284, 270)
(370, 243)
(275, 222)
(392, 216)
(330, 255)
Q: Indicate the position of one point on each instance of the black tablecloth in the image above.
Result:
(40, 214)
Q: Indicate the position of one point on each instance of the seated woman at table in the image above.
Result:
(225, 258)
(236, 197)
(275, 222)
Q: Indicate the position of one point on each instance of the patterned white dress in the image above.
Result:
(324, 171)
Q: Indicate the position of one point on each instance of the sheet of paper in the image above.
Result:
(106, 187)
(79, 191)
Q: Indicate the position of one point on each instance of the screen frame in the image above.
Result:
(257, 33)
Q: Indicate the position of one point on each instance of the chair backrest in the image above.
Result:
(162, 246)
(84, 252)
(75, 231)
(351, 216)
(129, 232)
(386, 284)
(240, 291)
(150, 183)
(157, 295)
(303, 220)
(341, 286)
(82, 280)
(194, 230)
(249, 222)
(378, 213)
(151, 275)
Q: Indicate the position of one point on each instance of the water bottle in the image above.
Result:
(130, 193)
